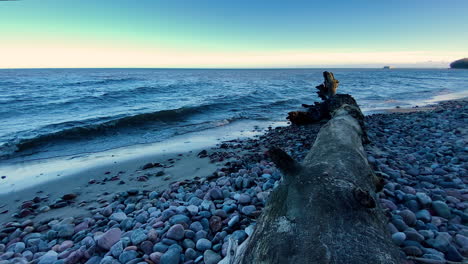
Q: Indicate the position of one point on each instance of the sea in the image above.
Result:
(46, 114)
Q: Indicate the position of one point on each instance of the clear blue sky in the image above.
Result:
(237, 33)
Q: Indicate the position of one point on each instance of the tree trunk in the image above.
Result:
(321, 110)
(324, 211)
(329, 86)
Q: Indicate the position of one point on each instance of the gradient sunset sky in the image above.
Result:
(232, 33)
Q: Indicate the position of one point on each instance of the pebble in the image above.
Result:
(172, 256)
(203, 244)
(248, 210)
(128, 255)
(138, 236)
(424, 215)
(176, 232)
(66, 230)
(119, 216)
(109, 238)
(116, 249)
(441, 209)
(423, 199)
(211, 257)
(49, 258)
(233, 221)
(398, 238)
(408, 217)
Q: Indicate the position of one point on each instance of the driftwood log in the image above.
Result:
(325, 209)
(322, 110)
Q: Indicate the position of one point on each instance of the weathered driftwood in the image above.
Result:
(321, 110)
(324, 210)
(328, 88)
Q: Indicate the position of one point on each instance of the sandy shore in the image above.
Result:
(97, 184)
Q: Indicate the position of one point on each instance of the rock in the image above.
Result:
(414, 236)
(196, 226)
(59, 204)
(126, 256)
(398, 238)
(117, 249)
(153, 195)
(248, 210)
(49, 258)
(424, 215)
(203, 154)
(388, 204)
(452, 254)
(17, 247)
(233, 221)
(146, 247)
(461, 240)
(216, 194)
(109, 238)
(423, 199)
(400, 224)
(441, 209)
(408, 217)
(203, 244)
(156, 257)
(69, 196)
(109, 260)
(210, 257)
(66, 230)
(178, 219)
(148, 166)
(412, 251)
(138, 236)
(119, 216)
(190, 254)
(188, 243)
(160, 247)
(94, 260)
(152, 235)
(172, 256)
(192, 209)
(28, 255)
(65, 245)
(74, 257)
(440, 242)
(239, 235)
(244, 198)
(82, 226)
(215, 223)
(176, 232)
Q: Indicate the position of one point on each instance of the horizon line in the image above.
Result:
(222, 68)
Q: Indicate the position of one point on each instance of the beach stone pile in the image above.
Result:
(423, 158)
(191, 222)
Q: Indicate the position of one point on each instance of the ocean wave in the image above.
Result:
(100, 82)
(77, 130)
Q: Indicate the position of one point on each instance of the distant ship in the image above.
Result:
(387, 67)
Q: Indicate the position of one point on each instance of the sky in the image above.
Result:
(232, 33)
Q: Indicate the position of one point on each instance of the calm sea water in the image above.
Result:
(57, 112)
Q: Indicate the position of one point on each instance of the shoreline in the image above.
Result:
(123, 164)
(117, 164)
(110, 178)
(238, 189)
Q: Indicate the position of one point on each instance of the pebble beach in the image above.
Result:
(422, 155)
